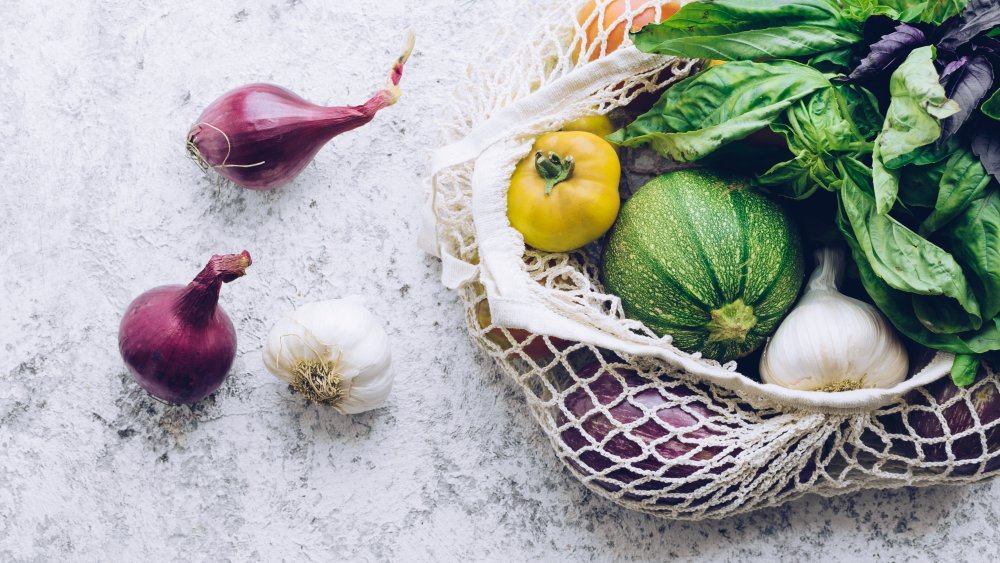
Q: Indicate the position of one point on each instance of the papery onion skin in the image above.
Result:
(261, 136)
(176, 341)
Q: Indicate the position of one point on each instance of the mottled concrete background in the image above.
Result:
(99, 203)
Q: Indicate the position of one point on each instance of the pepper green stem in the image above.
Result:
(731, 322)
(554, 169)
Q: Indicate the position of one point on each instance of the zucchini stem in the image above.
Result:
(731, 322)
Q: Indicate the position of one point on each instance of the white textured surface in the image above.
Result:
(99, 204)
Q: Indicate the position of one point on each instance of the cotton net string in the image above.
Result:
(636, 420)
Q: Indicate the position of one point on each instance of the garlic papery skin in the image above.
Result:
(832, 342)
(333, 352)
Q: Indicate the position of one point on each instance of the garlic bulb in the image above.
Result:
(831, 342)
(332, 352)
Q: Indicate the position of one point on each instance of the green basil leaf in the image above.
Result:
(837, 60)
(817, 129)
(723, 104)
(863, 108)
(918, 103)
(926, 11)
(748, 29)
(900, 257)
(974, 240)
(914, 12)
(933, 153)
(937, 11)
(886, 182)
(964, 370)
(943, 315)
(919, 185)
(798, 178)
(991, 106)
(908, 10)
(790, 179)
(820, 123)
(856, 175)
(897, 307)
(902, 6)
(964, 179)
(861, 10)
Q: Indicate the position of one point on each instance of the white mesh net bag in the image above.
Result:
(634, 418)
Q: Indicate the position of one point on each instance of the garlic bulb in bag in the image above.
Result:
(332, 352)
(832, 342)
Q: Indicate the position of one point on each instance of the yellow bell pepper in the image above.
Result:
(564, 195)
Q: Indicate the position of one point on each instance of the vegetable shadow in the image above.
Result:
(316, 422)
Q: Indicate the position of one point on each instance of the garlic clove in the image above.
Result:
(337, 322)
(293, 344)
(370, 352)
(373, 391)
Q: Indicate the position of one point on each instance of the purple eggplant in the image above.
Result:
(676, 423)
(972, 448)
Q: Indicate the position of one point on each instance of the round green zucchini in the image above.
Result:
(699, 256)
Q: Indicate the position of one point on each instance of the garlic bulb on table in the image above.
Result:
(832, 342)
(332, 352)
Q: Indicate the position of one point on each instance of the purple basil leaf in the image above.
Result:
(986, 145)
(967, 81)
(889, 52)
(979, 16)
(988, 46)
(951, 68)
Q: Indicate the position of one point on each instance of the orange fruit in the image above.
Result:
(596, 27)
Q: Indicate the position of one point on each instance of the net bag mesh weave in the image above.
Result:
(637, 429)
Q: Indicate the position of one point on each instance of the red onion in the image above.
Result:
(176, 340)
(261, 136)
